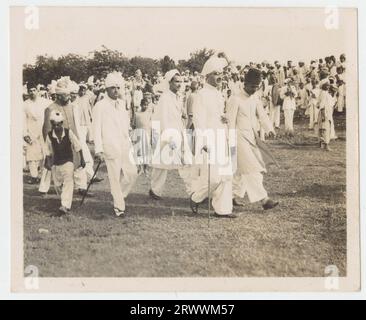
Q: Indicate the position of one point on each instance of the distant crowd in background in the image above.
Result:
(313, 89)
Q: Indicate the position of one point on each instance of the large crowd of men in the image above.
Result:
(209, 126)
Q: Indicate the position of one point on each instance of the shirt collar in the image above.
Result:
(55, 136)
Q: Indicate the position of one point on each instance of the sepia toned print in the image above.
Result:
(185, 149)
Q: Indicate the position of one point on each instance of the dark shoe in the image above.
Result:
(236, 203)
(270, 204)
(82, 192)
(118, 212)
(96, 180)
(32, 180)
(153, 195)
(62, 211)
(229, 216)
(194, 205)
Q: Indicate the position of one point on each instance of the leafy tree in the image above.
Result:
(167, 64)
(197, 59)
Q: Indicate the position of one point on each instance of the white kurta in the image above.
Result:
(208, 108)
(32, 127)
(244, 111)
(170, 145)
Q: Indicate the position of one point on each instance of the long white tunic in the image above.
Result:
(33, 113)
(169, 149)
(243, 112)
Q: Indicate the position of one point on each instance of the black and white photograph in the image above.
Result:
(184, 148)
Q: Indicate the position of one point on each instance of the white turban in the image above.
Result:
(170, 75)
(74, 88)
(112, 80)
(62, 86)
(90, 80)
(214, 64)
(56, 116)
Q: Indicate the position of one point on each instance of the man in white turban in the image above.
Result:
(83, 121)
(111, 125)
(169, 139)
(64, 106)
(60, 147)
(212, 143)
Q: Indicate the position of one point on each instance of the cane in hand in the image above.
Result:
(209, 185)
(90, 183)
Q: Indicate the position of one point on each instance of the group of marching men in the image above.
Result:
(208, 126)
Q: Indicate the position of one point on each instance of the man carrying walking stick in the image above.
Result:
(210, 125)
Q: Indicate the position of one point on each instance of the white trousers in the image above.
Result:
(220, 190)
(313, 115)
(79, 176)
(252, 184)
(89, 162)
(158, 178)
(289, 120)
(275, 115)
(122, 175)
(64, 176)
(33, 168)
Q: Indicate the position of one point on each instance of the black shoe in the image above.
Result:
(153, 195)
(62, 211)
(237, 203)
(96, 180)
(32, 180)
(270, 204)
(194, 205)
(82, 192)
(228, 216)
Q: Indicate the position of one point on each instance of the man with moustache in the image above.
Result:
(111, 124)
(169, 142)
(64, 106)
(210, 122)
(243, 113)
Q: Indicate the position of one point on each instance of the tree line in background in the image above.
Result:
(101, 62)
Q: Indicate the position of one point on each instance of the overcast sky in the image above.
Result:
(244, 34)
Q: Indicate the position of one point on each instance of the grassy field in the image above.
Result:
(163, 238)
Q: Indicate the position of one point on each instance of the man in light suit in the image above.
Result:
(111, 125)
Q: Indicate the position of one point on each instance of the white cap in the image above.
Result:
(112, 80)
(214, 64)
(170, 75)
(56, 116)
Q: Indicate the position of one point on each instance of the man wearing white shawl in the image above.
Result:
(169, 142)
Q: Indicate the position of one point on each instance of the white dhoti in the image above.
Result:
(122, 175)
(220, 189)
